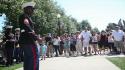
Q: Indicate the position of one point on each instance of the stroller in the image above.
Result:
(2, 55)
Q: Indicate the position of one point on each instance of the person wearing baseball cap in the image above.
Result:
(28, 37)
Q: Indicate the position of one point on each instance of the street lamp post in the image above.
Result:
(58, 16)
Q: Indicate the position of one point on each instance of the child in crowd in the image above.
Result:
(94, 42)
(66, 45)
(43, 49)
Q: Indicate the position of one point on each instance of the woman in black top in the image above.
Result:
(102, 42)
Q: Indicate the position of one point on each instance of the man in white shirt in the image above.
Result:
(118, 36)
(86, 35)
(56, 44)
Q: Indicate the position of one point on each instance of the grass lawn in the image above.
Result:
(118, 61)
(13, 67)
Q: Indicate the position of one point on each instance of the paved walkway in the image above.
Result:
(77, 63)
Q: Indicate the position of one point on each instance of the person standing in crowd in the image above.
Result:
(56, 42)
(94, 42)
(61, 44)
(73, 44)
(28, 38)
(50, 50)
(43, 48)
(110, 42)
(102, 42)
(66, 45)
(86, 35)
(9, 45)
(38, 44)
(118, 36)
(16, 46)
(124, 41)
(79, 47)
(48, 39)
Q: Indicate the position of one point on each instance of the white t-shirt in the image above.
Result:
(86, 35)
(110, 39)
(56, 41)
(118, 35)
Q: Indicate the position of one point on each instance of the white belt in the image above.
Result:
(22, 30)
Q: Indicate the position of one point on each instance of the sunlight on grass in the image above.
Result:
(118, 61)
(13, 67)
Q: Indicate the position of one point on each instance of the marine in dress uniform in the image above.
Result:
(28, 38)
(16, 46)
(9, 45)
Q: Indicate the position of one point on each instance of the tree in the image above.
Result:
(96, 29)
(11, 9)
(45, 16)
(124, 22)
(85, 24)
(120, 24)
(112, 25)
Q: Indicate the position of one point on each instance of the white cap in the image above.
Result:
(17, 29)
(8, 26)
(117, 26)
(77, 31)
(32, 4)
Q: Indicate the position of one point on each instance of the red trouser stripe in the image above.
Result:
(34, 58)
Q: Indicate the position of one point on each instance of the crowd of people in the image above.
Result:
(24, 45)
(85, 43)
(82, 43)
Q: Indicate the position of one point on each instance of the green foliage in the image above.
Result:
(121, 24)
(45, 16)
(95, 30)
(118, 61)
(85, 24)
(111, 25)
(12, 10)
(13, 67)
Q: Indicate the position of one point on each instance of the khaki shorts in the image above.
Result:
(79, 47)
(119, 45)
(85, 43)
